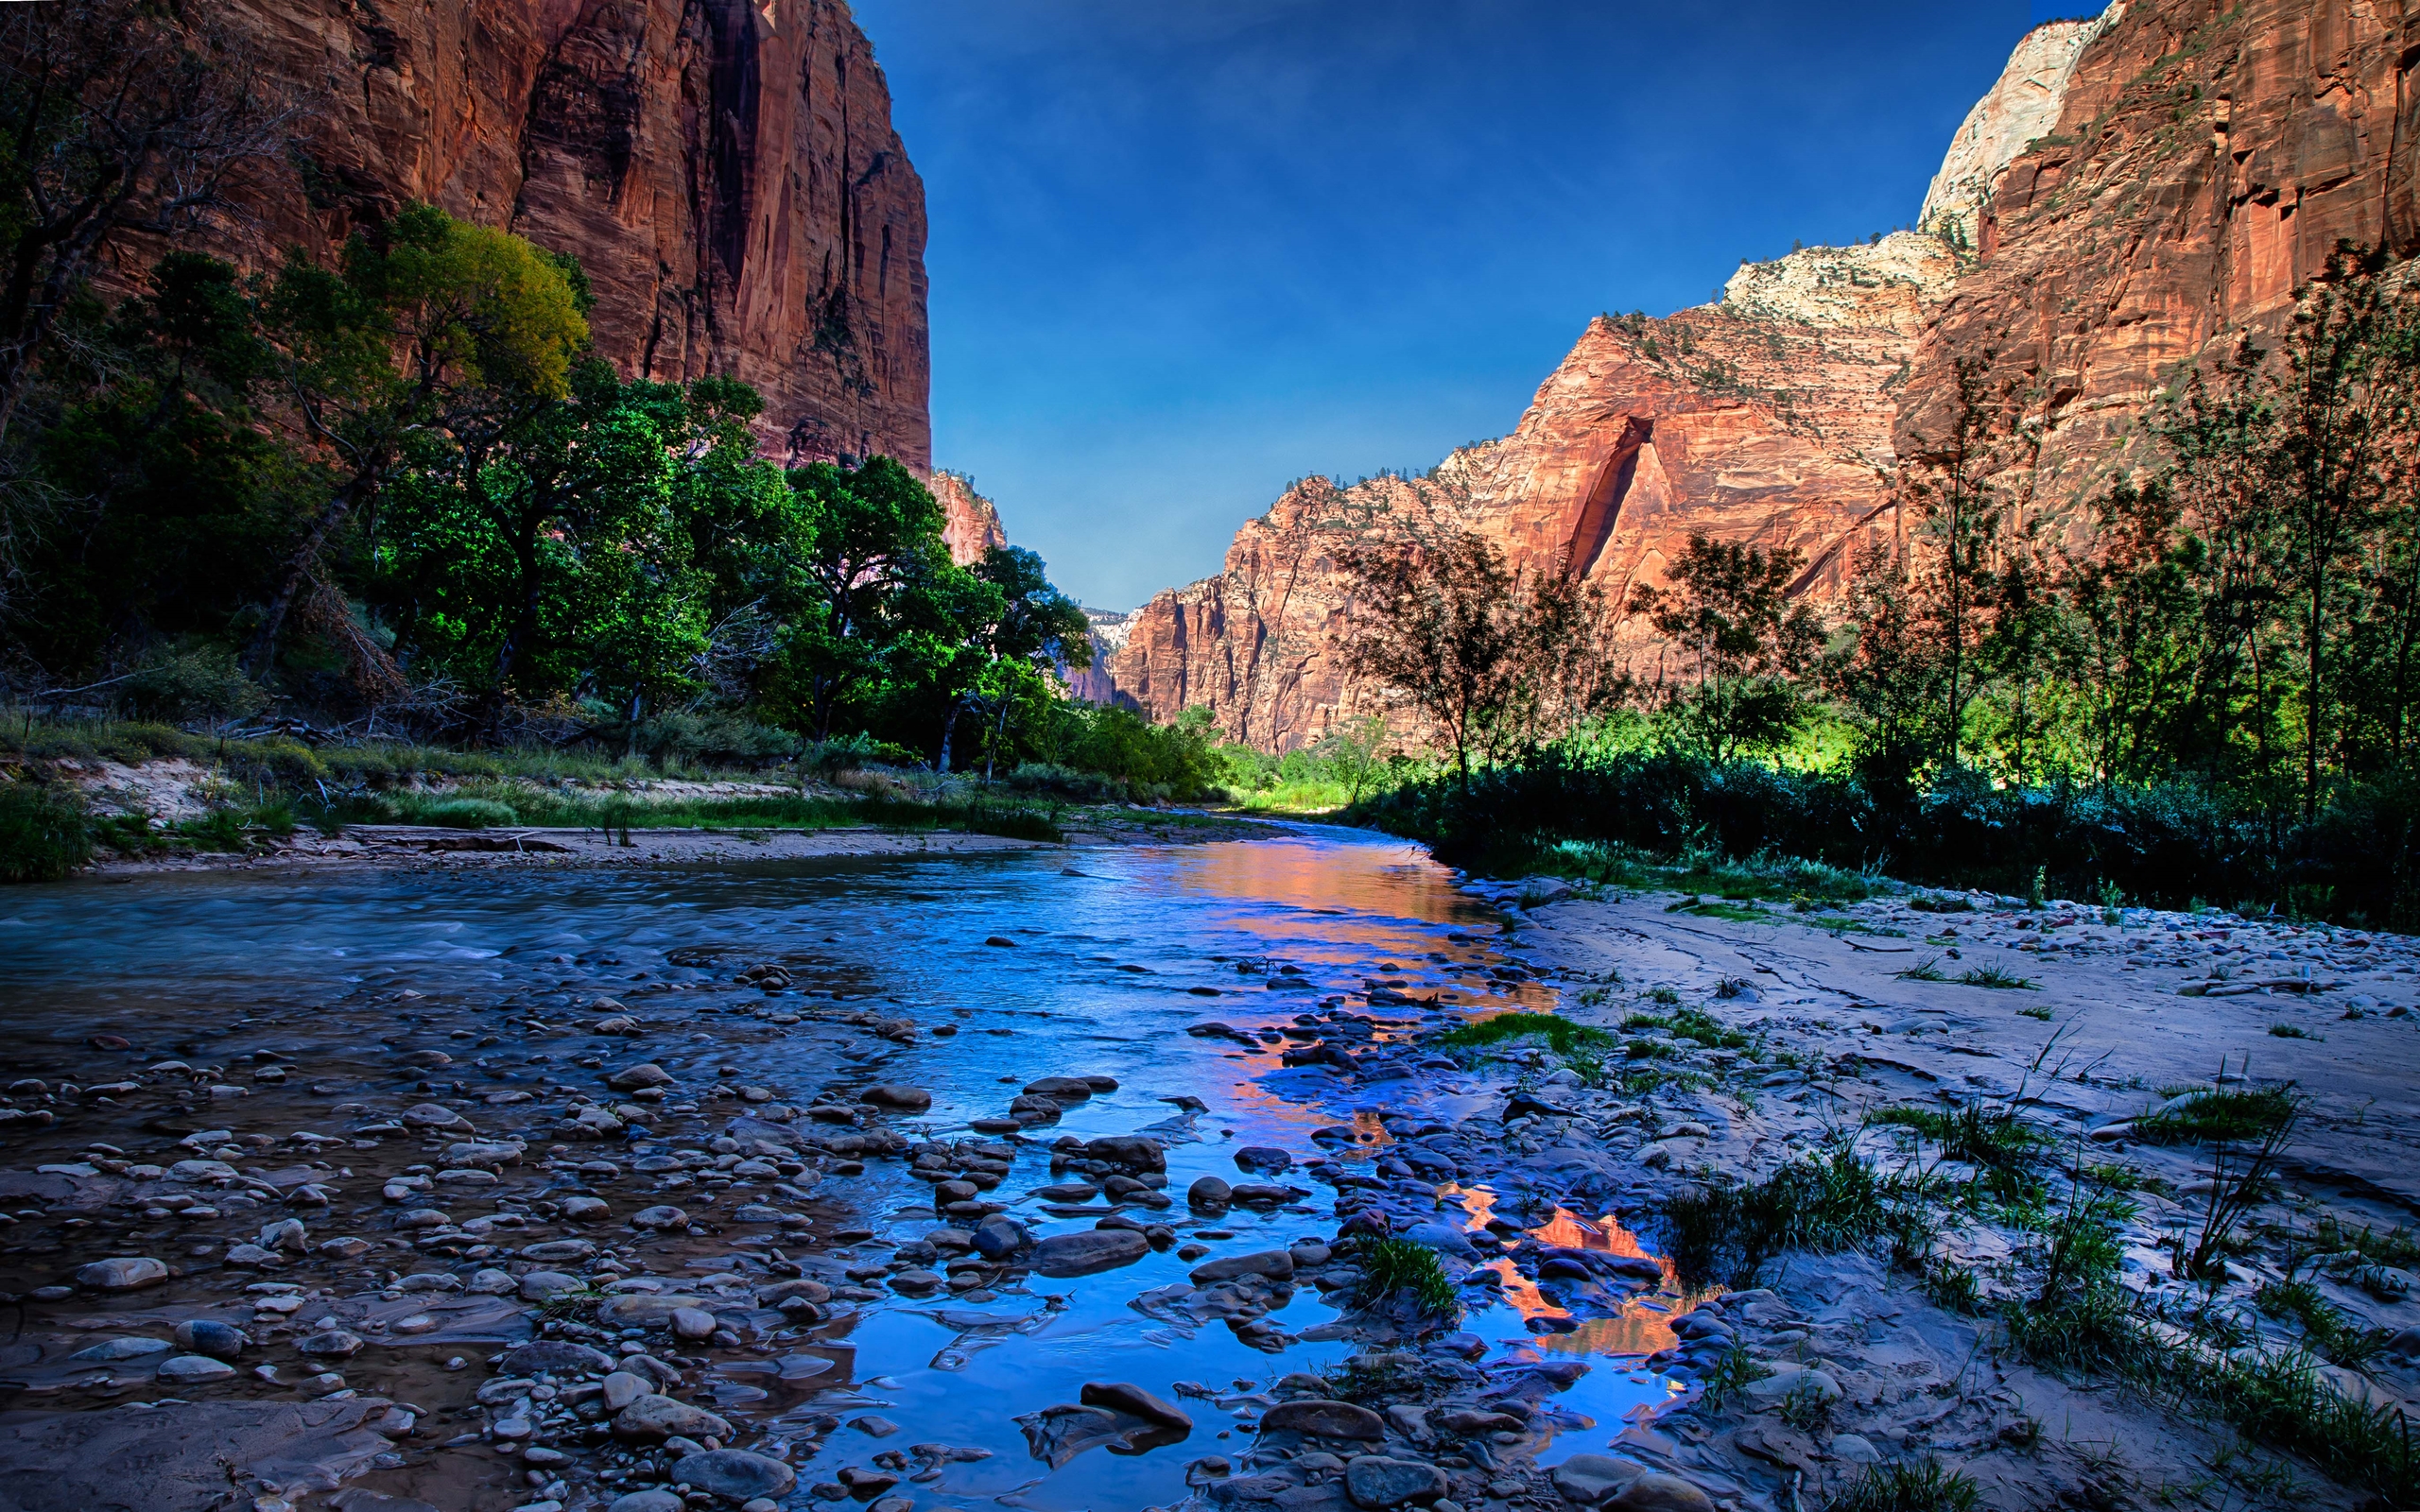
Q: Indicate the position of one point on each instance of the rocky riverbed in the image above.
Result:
(1072, 1180)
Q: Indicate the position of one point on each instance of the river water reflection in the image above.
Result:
(1111, 956)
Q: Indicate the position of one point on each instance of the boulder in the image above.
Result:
(109, 1351)
(1000, 1236)
(1277, 1264)
(123, 1274)
(653, 1419)
(734, 1474)
(693, 1323)
(1263, 1158)
(537, 1285)
(1376, 1481)
(1263, 1195)
(1442, 1238)
(622, 1388)
(1089, 1250)
(662, 1215)
(1210, 1193)
(1320, 1418)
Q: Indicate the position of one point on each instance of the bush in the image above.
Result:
(44, 834)
(197, 682)
(467, 813)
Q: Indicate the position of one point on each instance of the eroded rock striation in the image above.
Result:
(726, 172)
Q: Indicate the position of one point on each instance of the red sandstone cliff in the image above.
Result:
(2134, 191)
(970, 522)
(726, 172)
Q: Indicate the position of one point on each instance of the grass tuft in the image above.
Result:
(1921, 1486)
(44, 834)
(1392, 1268)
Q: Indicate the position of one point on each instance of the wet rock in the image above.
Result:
(641, 1310)
(557, 1356)
(1657, 1492)
(1082, 1253)
(110, 1351)
(634, 1078)
(1210, 1193)
(1263, 1158)
(1788, 1379)
(898, 1097)
(1263, 1195)
(123, 1274)
(286, 1234)
(648, 1501)
(1590, 1479)
(653, 1419)
(621, 1389)
(693, 1323)
(488, 1281)
(734, 1474)
(537, 1285)
(1376, 1481)
(999, 1237)
(916, 1283)
(663, 1215)
(554, 1251)
(1325, 1419)
(1067, 1192)
(1134, 1152)
(220, 1341)
(484, 1153)
(1060, 1090)
(434, 1116)
(181, 1455)
(329, 1344)
(188, 1369)
(1118, 1396)
(780, 1292)
(1277, 1264)
(585, 1209)
(344, 1247)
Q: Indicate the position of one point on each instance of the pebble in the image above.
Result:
(693, 1323)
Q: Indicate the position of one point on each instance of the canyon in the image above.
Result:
(2135, 192)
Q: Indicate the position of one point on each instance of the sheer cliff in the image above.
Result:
(726, 171)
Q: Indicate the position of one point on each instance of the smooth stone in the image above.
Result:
(1375, 1481)
(649, 1501)
(329, 1344)
(693, 1323)
(134, 1348)
(653, 1419)
(123, 1274)
(1000, 1236)
(202, 1335)
(537, 1285)
(1589, 1478)
(662, 1215)
(1263, 1158)
(1325, 1419)
(194, 1367)
(734, 1474)
(1136, 1152)
(1277, 1264)
(1118, 1396)
(1854, 1448)
(621, 1389)
(1090, 1250)
(1658, 1492)
(640, 1310)
(1060, 1089)
(1210, 1192)
(1442, 1238)
(554, 1356)
(585, 1209)
(898, 1097)
(633, 1078)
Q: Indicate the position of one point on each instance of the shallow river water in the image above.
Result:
(1111, 956)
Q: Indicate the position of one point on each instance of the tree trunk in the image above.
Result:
(298, 571)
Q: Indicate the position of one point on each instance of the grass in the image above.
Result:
(1832, 1201)
(1992, 976)
(1561, 1034)
(42, 833)
(1694, 1025)
(1993, 1140)
(1922, 1486)
(1927, 970)
(2292, 1031)
(1732, 1374)
(1398, 1267)
(2326, 1328)
(2220, 1114)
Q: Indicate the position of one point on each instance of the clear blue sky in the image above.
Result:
(1184, 251)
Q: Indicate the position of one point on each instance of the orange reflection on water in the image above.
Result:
(1637, 1329)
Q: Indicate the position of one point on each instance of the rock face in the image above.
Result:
(2135, 191)
(970, 522)
(726, 172)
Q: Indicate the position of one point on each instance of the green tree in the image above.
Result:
(869, 538)
(1730, 611)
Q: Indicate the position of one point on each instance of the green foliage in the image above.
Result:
(2221, 1115)
(1992, 976)
(1734, 1373)
(1729, 609)
(1559, 1033)
(1921, 1485)
(42, 833)
(1393, 1268)
(1835, 1200)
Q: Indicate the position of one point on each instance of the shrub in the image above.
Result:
(197, 682)
(44, 833)
(466, 813)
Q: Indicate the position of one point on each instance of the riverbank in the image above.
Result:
(917, 1182)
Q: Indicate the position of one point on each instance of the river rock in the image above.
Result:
(1136, 1152)
(1000, 1236)
(649, 1501)
(1854, 1448)
(329, 1344)
(633, 1078)
(434, 1116)
(1211, 1193)
(1118, 1395)
(1658, 1492)
(898, 1097)
(622, 1388)
(553, 1356)
(585, 1209)
(1788, 1379)
(1263, 1158)
(1325, 1419)
(125, 1274)
(555, 1251)
(662, 1215)
(1060, 1090)
(203, 1335)
(1376, 1481)
(537, 1285)
(734, 1474)
(641, 1310)
(653, 1419)
(1090, 1250)
(1263, 1195)
(110, 1351)
(1589, 1478)
(1277, 1264)
(186, 1370)
(693, 1323)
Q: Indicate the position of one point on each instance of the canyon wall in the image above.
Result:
(725, 170)
(970, 522)
(2132, 193)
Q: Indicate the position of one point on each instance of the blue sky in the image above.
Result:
(1184, 251)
